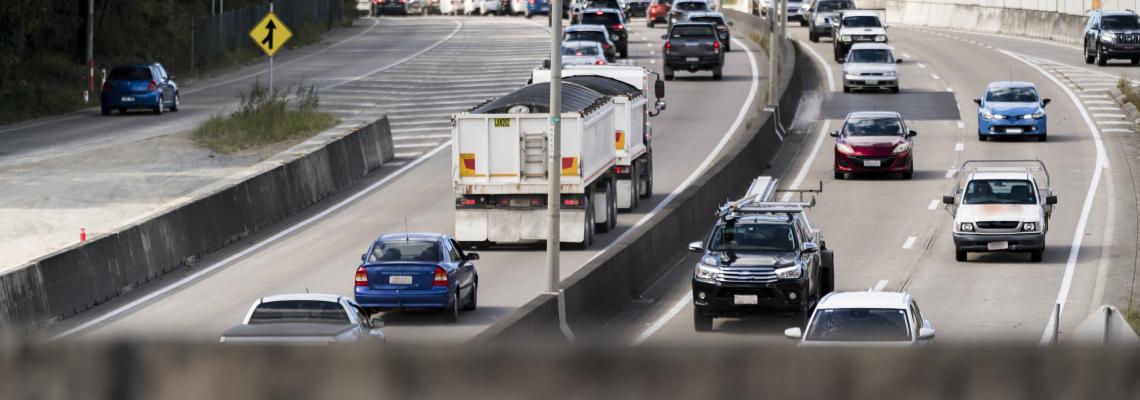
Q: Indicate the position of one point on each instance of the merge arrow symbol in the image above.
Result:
(268, 41)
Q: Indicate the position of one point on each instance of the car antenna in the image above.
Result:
(306, 289)
(406, 238)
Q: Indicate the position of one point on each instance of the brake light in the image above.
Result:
(620, 170)
(605, 45)
(601, 13)
(716, 46)
(536, 201)
(600, 62)
(361, 276)
(668, 46)
(468, 202)
(151, 86)
(106, 86)
(571, 202)
(440, 277)
(531, 1)
(619, 27)
(721, 27)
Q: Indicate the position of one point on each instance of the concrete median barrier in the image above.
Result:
(989, 17)
(80, 277)
(621, 273)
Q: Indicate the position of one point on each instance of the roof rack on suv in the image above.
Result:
(760, 200)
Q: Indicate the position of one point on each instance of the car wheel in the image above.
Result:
(649, 23)
(1036, 255)
(717, 73)
(840, 175)
(159, 106)
(895, 89)
(105, 110)
(624, 52)
(473, 301)
(1088, 57)
(813, 37)
(1042, 138)
(1101, 60)
(1135, 61)
(960, 255)
(668, 73)
(803, 23)
(701, 322)
(981, 137)
(828, 281)
(527, 14)
(728, 46)
(909, 173)
(647, 179)
(846, 89)
(453, 311)
(177, 104)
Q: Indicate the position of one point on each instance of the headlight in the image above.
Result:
(1108, 36)
(1029, 226)
(792, 272)
(881, 38)
(966, 227)
(890, 73)
(707, 269)
(843, 148)
(901, 148)
(1038, 115)
(987, 114)
(845, 38)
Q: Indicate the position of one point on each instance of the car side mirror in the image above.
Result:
(660, 105)
(793, 333)
(364, 257)
(377, 322)
(664, 37)
(730, 23)
(898, 61)
(948, 200)
(810, 247)
(834, 134)
(472, 256)
(885, 26)
(659, 88)
(978, 101)
(925, 334)
(696, 247)
(1046, 102)
(1050, 200)
(911, 134)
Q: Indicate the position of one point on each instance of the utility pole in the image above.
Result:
(90, 51)
(773, 55)
(554, 170)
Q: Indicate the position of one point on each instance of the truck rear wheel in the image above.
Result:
(646, 187)
(610, 207)
(668, 73)
(634, 185)
(588, 228)
(701, 322)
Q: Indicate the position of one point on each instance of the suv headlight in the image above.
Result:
(1028, 226)
(1108, 37)
(845, 38)
(843, 148)
(792, 272)
(966, 227)
(880, 38)
(901, 148)
(706, 270)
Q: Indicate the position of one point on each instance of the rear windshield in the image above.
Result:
(885, 126)
(999, 191)
(876, 56)
(605, 18)
(586, 36)
(602, 4)
(859, 325)
(710, 20)
(829, 6)
(1120, 22)
(692, 6)
(405, 250)
(299, 311)
(665, 2)
(753, 237)
(691, 31)
(1012, 95)
(130, 73)
(864, 21)
(579, 51)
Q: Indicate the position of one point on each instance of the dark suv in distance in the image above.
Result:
(1112, 34)
(614, 23)
(692, 46)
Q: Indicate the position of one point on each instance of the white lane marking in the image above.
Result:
(921, 65)
(950, 172)
(651, 52)
(1116, 130)
(416, 145)
(826, 66)
(744, 108)
(1086, 209)
(933, 204)
(961, 124)
(935, 76)
(660, 322)
(989, 47)
(959, 146)
(951, 90)
(649, 45)
(270, 240)
(905, 55)
(909, 242)
(1108, 115)
(1092, 96)
(1099, 102)
(1101, 108)
(1115, 123)
(653, 61)
(880, 285)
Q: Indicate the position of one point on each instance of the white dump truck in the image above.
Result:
(501, 174)
(1001, 206)
(628, 85)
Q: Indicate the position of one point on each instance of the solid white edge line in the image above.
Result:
(950, 172)
(660, 322)
(1086, 209)
(959, 146)
(882, 283)
(909, 242)
(961, 124)
(933, 204)
(265, 242)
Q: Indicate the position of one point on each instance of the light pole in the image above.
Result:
(554, 170)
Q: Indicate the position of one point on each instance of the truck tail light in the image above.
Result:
(440, 277)
(622, 170)
(668, 46)
(361, 276)
(619, 140)
(721, 28)
(619, 27)
(716, 46)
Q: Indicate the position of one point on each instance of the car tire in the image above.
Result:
(158, 107)
(895, 89)
(846, 89)
(840, 175)
(527, 14)
(960, 255)
(177, 103)
(728, 46)
(701, 322)
(1101, 60)
(717, 73)
(1043, 137)
(909, 172)
(1135, 61)
(473, 301)
(1088, 58)
(668, 73)
(647, 179)
(123, 110)
(624, 52)
(827, 284)
(105, 110)
(803, 23)
(649, 22)
(1036, 255)
(981, 137)
(453, 311)
(813, 37)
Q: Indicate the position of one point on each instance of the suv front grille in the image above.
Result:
(747, 275)
(1128, 39)
(998, 224)
(863, 38)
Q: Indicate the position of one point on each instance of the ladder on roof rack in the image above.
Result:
(760, 199)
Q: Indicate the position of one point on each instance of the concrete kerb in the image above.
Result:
(610, 282)
(82, 276)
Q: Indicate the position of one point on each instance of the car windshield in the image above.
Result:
(665, 2)
(691, 31)
(879, 126)
(130, 74)
(579, 51)
(862, 21)
(692, 6)
(829, 6)
(1012, 95)
(1120, 22)
(405, 250)
(602, 4)
(859, 325)
(586, 36)
(708, 20)
(753, 237)
(299, 311)
(603, 18)
(871, 56)
(999, 191)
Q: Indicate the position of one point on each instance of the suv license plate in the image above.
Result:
(400, 280)
(872, 163)
(997, 245)
(692, 59)
(745, 299)
(1013, 130)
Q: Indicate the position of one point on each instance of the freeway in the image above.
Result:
(320, 254)
(891, 234)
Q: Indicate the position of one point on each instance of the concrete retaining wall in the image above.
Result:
(602, 288)
(1042, 24)
(79, 277)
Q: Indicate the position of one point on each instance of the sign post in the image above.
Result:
(554, 171)
(270, 35)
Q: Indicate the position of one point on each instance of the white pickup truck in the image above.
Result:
(1001, 205)
(628, 85)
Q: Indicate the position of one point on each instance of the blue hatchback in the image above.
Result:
(537, 7)
(1012, 109)
(417, 271)
(135, 86)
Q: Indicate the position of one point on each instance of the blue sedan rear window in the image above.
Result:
(405, 250)
(130, 74)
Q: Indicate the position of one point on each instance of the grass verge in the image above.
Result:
(1125, 86)
(265, 117)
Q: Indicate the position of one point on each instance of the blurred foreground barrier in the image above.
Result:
(79, 277)
(101, 371)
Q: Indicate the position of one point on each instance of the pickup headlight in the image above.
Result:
(707, 269)
(792, 272)
(1029, 226)
(1108, 37)
(880, 38)
(901, 148)
(966, 227)
(845, 38)
(843, 148)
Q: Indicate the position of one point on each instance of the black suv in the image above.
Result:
(1112, 34)
(692, 46)
(614, 23)
(760, 256)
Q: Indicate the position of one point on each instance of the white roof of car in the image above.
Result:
(860, 13)
(585, 27)
(1012, 84)
(888, 300)
(871, 46)
(331, 298)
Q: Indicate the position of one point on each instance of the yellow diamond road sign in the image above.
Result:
(270, 34)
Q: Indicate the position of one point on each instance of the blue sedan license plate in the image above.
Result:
(400, 280)
(127, 98)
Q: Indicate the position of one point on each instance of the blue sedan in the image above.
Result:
(417, 271)
(1012, 109)
(134, 86)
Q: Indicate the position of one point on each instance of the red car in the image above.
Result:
(874, 143)
(658, 12)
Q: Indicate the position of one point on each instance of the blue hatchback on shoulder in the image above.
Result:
(1012, 109)
(417, 271)
(133, 86)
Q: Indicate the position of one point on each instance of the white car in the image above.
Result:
(865, 319)
(481, 7)
(518, 7)
(305, 318)
(1002, 207)
(581, 52)
(856, 26)
(871, 66)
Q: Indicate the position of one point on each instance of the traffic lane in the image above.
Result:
(322, 257)
(1003, 296)
(359, 50)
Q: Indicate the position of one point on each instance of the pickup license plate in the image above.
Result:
(872, 163)
(127, 98)
(399, 280)
(1003, 245)
(870, 82)
(1013, 130)
(745, 299)
(692, 59)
